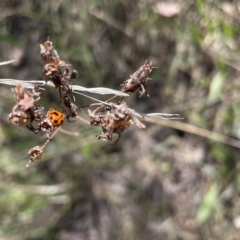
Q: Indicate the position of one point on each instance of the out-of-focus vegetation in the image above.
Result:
(158, 183)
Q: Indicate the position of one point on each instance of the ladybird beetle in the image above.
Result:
(56, 117)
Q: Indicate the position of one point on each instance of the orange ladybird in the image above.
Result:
(56, 117)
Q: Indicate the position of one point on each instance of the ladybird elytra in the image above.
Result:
(56, 117)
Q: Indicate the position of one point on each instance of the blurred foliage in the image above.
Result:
(160, 183)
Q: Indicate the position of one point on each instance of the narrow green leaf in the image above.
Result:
(216, 87)
(208, 205)
(196, 35)
(199, 5)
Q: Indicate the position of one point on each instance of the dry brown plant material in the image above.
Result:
(56, 70)
(26, 110)
(138, 80)
(111, 117)
(116, 119)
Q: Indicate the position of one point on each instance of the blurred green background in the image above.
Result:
(159, 183)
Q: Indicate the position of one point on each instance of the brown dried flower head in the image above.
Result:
(56, 70)
(23, 113)
(48, 53)
(20, 118)
(116, 120)
(138, 80)
(35, 154)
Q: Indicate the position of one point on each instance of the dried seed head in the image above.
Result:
(35, 154)
(138, 80)
(116, 120)
(56, 70)
(26, 110)
(48, 53)
(20, 118)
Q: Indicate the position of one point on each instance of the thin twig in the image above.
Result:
(83, 120)
(68, 132)
(197, 131)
